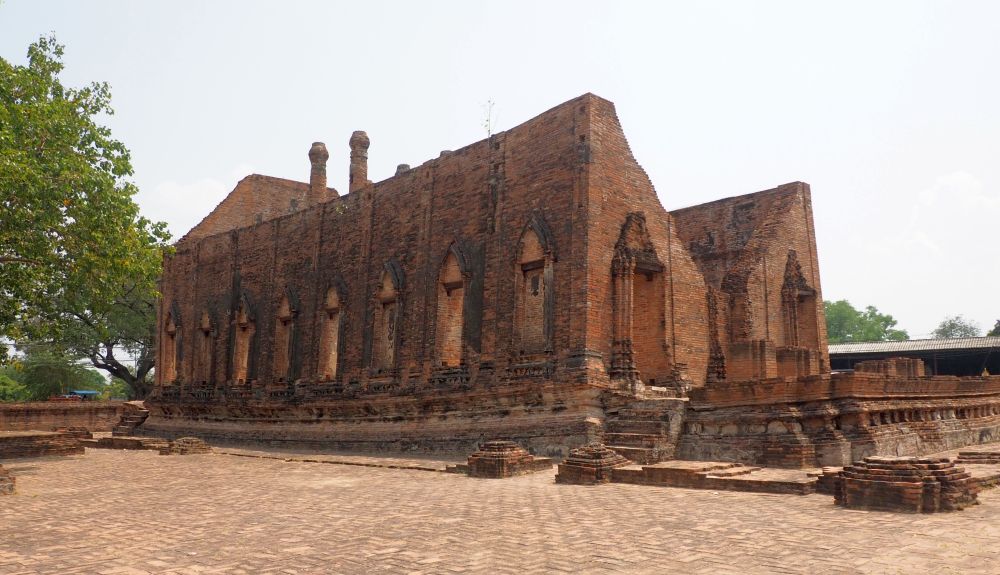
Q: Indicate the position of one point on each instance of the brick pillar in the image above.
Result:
(359, 161)
(317, 175)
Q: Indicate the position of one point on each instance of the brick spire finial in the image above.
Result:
(317, 175)
(359, 161)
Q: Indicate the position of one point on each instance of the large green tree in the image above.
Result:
(846, 324)
(956, 326)
(995, 332)
(78, 263)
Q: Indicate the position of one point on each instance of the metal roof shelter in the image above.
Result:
(958, 356)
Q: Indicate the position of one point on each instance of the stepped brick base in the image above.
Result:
(589, 465)
(499, 459)
(978, 457)
(76, 431)
(15, 444)
(6, 482)
(720, 475)
(908, 484)
(153, 443)
(185, 446)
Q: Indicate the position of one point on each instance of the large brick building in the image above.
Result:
(528, 286)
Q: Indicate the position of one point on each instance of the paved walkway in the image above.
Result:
(138, 512)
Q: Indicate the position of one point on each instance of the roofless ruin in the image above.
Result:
(529, 287)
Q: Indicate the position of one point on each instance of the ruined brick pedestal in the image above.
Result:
(6, 482)
(185, 446)
(499, 459)
(907, 484)
(589, 465)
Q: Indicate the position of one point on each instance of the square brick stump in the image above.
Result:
(907, 484)
(499, 459)
(590, 465)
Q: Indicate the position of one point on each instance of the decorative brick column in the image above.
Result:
(908, 484)
(499, 459)
(590, 465)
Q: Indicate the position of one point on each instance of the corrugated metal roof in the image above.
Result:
(916, 345)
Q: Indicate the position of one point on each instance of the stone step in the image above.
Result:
(733, 471)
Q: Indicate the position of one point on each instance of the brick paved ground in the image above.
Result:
(138, 512)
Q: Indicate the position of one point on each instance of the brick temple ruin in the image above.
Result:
(528, 287)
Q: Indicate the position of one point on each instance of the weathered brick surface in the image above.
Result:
(590, 465)
(16, 444)
(7, 482)
(500, 459)
(517, 288)
(243, 515)
(50, 415)
(909, 484)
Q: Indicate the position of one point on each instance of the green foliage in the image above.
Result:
(956, 326)
(117, 389)
(10, 388)
(995, 332)
(44, 372)
(78, 264)
(845, 324)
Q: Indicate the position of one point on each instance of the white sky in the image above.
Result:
(889, 109)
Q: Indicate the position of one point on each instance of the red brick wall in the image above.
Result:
(569, 171)
(47, 416)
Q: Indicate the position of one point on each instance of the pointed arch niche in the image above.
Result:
(798, 307)
(204, 351)
(244, 332)
(284, 336)
(534, 289)
(386, 318)
(330, 333)
(639, 345)
(451, 291)
(170, 345)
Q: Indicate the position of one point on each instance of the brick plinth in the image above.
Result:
(907, 484)
(185, 446)
(14, 444)
(499, 459)
(6, 482)
(589, 465)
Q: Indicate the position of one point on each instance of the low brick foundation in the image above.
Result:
(978, 457)
(499, 459)
(185, 446)
(15, 444)
(51, 415)
(907, 484)
(589, 465)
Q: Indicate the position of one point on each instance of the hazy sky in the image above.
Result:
(888, 109)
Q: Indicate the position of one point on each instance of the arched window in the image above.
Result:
(450, 304)
(283, 326)
(243, 338)
(329, 338)
(534, 290)
(386, 328)
(168, 358)
(203, 349)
